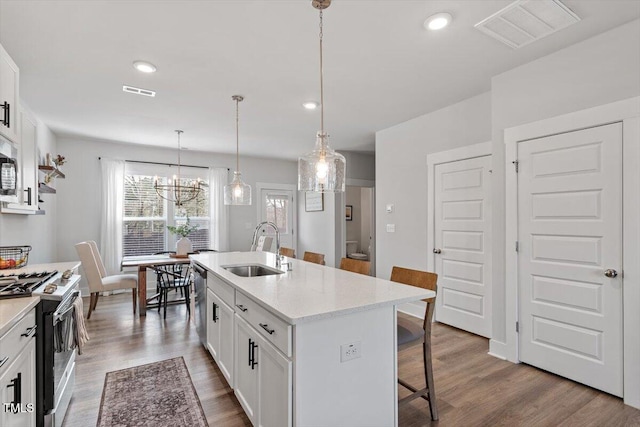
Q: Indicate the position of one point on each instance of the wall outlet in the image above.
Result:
(350, 351)
(391, 228)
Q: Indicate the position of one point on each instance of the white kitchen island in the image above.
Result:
(315, 346)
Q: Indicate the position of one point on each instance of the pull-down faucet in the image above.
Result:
(275, 228)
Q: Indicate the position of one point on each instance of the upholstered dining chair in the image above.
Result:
(97, 278)
(355, 265)
(409, 332)
(288, 252)
(314, 257)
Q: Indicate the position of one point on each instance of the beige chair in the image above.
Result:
(314, 257)
(288, 252)
(356, 266)
(409, 332)
(97, 278)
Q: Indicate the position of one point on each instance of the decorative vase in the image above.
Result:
(183, 246)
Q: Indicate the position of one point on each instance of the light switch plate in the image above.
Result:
(389, 208)
(391, 228)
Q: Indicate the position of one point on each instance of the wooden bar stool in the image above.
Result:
(314, 257)
(409, 332)
(288, 252)
(355, 265)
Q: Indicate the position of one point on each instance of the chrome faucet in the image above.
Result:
(275, 228)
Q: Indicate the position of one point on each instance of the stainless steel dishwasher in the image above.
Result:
(201, 302)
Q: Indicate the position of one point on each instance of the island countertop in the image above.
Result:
(310, 291)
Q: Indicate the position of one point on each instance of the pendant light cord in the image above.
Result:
(237, 136)
(179, 149)
(321, 83)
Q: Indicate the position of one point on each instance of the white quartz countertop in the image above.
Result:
(36, 268)
(14, 309)
(311, 291)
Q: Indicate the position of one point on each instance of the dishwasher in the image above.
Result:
(201, 302)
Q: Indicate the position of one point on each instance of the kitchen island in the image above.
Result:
(315, 346)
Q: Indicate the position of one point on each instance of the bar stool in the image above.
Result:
(314, 258)
(356, 266)
(409, 332)
(288, 252)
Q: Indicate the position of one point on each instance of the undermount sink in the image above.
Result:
(251, 270)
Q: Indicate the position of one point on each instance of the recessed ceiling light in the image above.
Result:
(311, 105)
(145, 67)
(438, 21)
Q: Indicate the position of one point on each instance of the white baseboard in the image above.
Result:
(498, 349)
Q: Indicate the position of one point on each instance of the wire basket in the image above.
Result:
(14, 256)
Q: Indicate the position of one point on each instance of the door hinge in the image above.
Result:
(517, 246)
(516, 163)
(517, 326)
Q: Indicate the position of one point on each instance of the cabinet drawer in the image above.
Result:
(224, 291)
(16, 339)
(271, 327)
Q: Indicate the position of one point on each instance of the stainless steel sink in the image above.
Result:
(251, 270)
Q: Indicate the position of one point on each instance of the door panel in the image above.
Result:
(275, 387)
(570, 231)
(245, 375)
(277, 205)
(462, 233)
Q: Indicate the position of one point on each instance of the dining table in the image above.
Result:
(144, 262)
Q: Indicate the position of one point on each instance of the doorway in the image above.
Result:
(276, 203)
(360, 224)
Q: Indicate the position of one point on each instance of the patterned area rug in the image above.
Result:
(159, 394)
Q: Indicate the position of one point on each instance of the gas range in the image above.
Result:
(24, 284)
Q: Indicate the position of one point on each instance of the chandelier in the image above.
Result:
(322, 170)
(237, 192)
(177, 191)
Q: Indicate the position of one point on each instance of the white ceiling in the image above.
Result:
(381, 66)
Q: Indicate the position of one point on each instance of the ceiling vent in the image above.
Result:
(526, 21)
(138, 91)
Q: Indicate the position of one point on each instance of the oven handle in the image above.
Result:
(65, 307)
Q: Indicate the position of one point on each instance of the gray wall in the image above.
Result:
(79, 197)
(39, 231)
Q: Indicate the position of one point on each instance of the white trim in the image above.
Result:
(628, 112)
(497, 349)
(294, 205)
(462, 153)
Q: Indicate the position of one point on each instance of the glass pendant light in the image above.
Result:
(322, 170)
(237, 192)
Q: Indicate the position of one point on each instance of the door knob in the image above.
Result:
(609, 272)
(437, 251)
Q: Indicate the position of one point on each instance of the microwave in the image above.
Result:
(8, 171)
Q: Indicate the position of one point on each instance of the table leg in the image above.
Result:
(142, 290)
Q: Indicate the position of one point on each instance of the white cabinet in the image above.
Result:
(263, 378)
(17, 374)
(220, 334)
(9, 82)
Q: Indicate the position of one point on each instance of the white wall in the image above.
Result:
(597, 71)
(39, 231)
(79, 197)
(401, 176)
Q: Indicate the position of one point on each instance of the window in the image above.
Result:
(146, 215)
(277, 209)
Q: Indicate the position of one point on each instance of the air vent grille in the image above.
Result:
(138, 91)
(526, 21)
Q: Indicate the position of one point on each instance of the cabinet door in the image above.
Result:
(20, 374)
(274, 386)
(9, 82)
(213, 326)
(245, 368)
(226, 351)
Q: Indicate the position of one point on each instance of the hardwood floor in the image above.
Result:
(472, 388)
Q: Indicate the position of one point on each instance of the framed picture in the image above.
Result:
(313, 202)
(349, 216)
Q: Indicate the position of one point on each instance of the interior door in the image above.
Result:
(570, 250)
(277, 206)
(463, 244)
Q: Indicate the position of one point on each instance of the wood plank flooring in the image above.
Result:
(472, 388)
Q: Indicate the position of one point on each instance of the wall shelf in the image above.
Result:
(52, 171)
(45, 189)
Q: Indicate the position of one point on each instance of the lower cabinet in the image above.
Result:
(220, 334)
(18, 387)
(263, 378)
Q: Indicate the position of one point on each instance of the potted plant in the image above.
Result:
(183, 246)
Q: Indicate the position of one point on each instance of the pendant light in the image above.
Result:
(322, 170)
(177, 192)
(237, 192)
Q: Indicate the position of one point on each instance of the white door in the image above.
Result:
(277, 205)
(274, 387)
(570, 234)
(462, 200)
